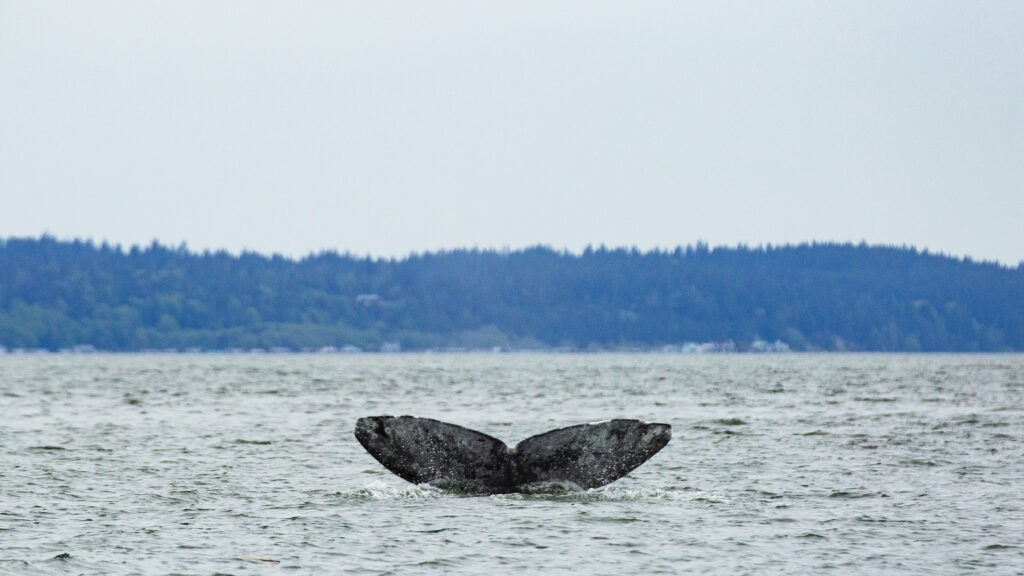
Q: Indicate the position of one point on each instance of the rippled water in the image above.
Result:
(247, 465)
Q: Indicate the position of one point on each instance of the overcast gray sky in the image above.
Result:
(390, 127)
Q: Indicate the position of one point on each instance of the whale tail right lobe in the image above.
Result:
(426, 451)
(589, 455)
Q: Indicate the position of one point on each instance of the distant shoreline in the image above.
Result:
(77, 296)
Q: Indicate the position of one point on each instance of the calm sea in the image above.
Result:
(787, 464)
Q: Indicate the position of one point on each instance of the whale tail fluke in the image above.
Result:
(427, 451)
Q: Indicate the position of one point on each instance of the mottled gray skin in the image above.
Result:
(426, 451)
(589, 455)
(423, 451)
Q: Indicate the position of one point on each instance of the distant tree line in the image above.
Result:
(61, 294)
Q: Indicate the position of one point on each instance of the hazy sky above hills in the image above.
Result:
(392, 127)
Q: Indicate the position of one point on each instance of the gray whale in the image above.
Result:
(448, 456)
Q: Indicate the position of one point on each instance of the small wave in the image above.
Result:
(616, 493)
(855, 494)
(552, 491)
(431, 531)
(258, 559)
(380, 490)
(551, 488)
(926, 462)
(731, 422)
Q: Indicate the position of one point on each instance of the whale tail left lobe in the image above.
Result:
(425, 451)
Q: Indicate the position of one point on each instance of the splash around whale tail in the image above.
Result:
(427, 451)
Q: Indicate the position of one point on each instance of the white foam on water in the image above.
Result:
(381, 490)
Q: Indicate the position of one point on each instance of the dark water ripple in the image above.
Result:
(778, 465)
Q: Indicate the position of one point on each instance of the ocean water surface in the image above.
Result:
(237, 464)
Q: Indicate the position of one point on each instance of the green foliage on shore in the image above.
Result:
(56, 295)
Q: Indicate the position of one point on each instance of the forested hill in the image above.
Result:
(59, 295)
